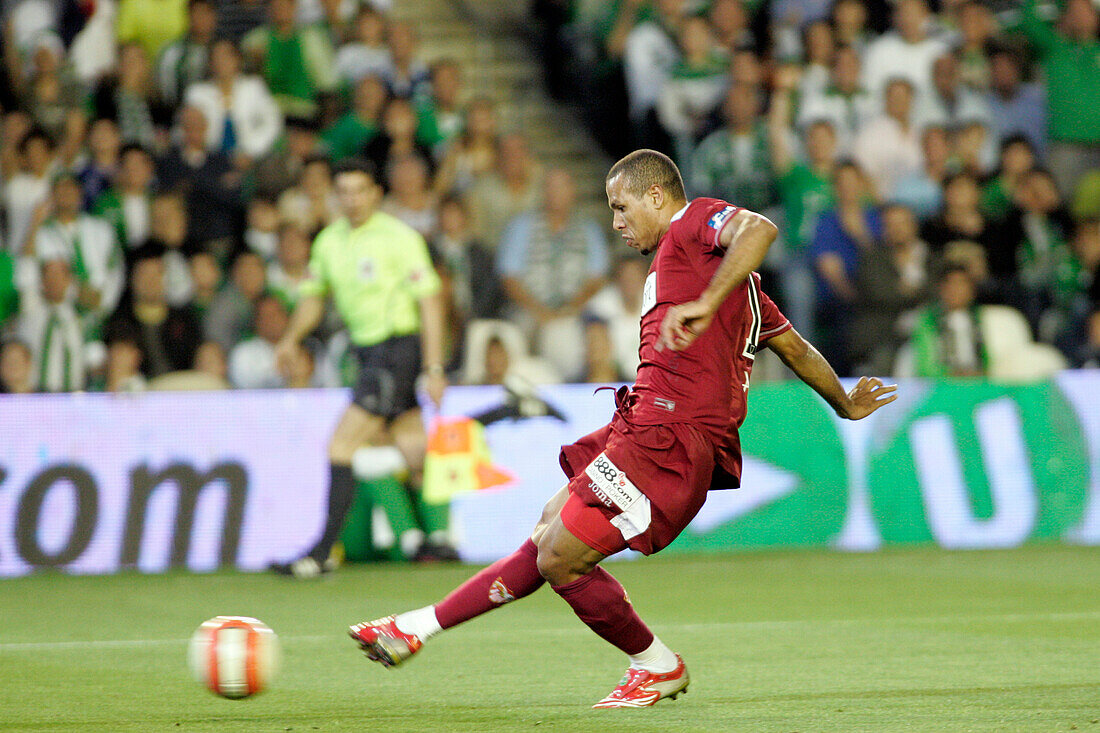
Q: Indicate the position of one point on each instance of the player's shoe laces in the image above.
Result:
(641, 689)
(384, 643)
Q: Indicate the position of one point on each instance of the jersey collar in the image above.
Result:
(678, 214)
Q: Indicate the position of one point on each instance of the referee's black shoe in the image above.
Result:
(304, 568)
(435, 552)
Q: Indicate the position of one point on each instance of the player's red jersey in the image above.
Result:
(705, 384)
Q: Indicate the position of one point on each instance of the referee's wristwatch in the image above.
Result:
(434, 370)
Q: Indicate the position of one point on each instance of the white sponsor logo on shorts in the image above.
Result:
(612, 487)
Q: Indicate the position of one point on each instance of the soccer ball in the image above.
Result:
(234, 656)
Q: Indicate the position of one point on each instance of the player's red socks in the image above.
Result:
(505, 580)
(600, 601)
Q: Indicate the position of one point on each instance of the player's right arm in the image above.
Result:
(812, 368)
(746, 237)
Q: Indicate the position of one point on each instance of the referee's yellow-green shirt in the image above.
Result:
(376, 274)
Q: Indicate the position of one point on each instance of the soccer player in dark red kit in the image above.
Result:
(638, 481)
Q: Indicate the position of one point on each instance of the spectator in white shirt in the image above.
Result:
(28, 189)
(888, 147)
(124, 357)
(170, 229)
(87, 244)
(187, 59)
(844, 102)
(696, 85)
(252, 361)
(367, 54)
(619, 305)
(907, 52)
(950, 103)
(649, 55)
(291, 266)
(49, 324)
(410, 198)
(243, 120)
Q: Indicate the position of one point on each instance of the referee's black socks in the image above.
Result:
(341, 491)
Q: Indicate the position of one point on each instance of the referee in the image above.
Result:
(378, 272)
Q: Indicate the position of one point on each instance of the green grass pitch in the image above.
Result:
(903, 640)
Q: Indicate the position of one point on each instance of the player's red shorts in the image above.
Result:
(635, 486)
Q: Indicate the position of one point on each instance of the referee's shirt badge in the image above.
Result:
(366, 269)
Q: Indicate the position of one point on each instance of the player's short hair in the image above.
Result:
(356, 165)
(644, 168)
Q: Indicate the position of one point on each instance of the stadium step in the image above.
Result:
(490, 39)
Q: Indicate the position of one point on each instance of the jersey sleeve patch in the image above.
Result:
(718, 221)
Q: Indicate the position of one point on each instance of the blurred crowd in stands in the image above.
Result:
(934, 167)
(165, 164)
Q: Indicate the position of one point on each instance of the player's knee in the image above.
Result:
(557, 568)
(550, 564)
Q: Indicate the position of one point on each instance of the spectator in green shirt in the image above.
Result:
(1070, 58)
(734, 163)
(358, 126)
(298, 63)
(947, 336)
(440, 113)
(806, 189)
(9, 294)
(127, 204)
(1017, 158)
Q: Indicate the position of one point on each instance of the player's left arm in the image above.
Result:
(746, 238)
(804, 360)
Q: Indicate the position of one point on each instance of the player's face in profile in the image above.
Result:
(632, 216)
(358, 194)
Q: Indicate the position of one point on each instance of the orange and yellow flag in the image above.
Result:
(458, 461)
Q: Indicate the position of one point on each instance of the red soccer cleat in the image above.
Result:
(384, 643)
(642, 689)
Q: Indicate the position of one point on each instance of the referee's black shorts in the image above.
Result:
(386, 384)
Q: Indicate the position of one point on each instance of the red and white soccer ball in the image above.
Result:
(234, 656)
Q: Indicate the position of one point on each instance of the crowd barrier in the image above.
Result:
(94, 483)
